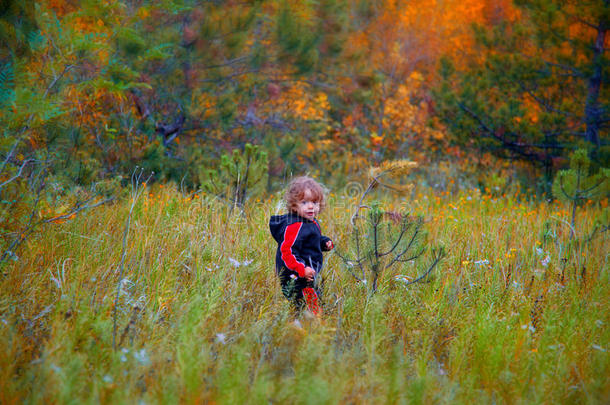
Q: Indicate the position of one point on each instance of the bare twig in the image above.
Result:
(31, 225)
(565, 222)
(131, 324)
(374, 182)
(10, 155)
(227, 63)
(56, 79)
(137, 188)
(598, 228)
(78, 207)
(25, 162)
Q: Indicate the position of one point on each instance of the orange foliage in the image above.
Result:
(60, 7)
(386, 70)
(403, 44)
(298, 99)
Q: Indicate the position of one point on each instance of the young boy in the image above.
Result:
(299, 259)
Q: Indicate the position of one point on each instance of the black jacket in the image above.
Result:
(299, 243)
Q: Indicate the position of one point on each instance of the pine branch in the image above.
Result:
(545, 103)
(438, 256)
(518, 147)
(403, 231)
(407, 248)
(349, 264)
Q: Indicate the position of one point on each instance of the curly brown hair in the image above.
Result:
(296, 192)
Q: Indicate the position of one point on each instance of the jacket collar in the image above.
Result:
(297, 218)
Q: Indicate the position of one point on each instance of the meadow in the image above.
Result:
(185, 307)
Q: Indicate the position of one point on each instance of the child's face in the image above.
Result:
(307, 207)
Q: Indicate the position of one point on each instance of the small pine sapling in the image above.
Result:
(240, 175)
(576, 184)
(382, 239)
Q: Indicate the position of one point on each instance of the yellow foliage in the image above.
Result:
(416, 76)
(298, 99)
(393, 169)
(376, 139)
(143, 13)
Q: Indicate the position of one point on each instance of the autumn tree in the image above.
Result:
(172, 86)
(392, 53)
(42, 66)
(538, 87)
(226, 74)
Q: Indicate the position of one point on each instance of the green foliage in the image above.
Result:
(334, 25)
(18, 26)
(523, 96)
(240, 176)
(7, 84)
(99, 79)
(576, 184)
(384, 241)
(297, 39)
(207, 331)
(130, 42)
(121, 73)
(158, 53)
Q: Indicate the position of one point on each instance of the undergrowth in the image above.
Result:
(516, 312)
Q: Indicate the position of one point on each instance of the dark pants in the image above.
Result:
(300, 292)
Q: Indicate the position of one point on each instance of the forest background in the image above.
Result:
(230, 99)
(90, 90)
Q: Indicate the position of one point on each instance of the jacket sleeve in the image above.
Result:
(290, 261)
(323, 241)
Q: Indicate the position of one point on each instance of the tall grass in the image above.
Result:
(516, 313)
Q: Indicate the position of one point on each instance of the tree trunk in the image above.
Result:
(593, 110)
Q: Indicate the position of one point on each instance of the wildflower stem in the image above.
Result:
(137, 190)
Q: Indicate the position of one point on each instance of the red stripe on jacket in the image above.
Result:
(290, 235)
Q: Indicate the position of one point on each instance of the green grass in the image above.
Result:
(194, 328)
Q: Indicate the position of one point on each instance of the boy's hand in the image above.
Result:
(329, 245)
(309, 273)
